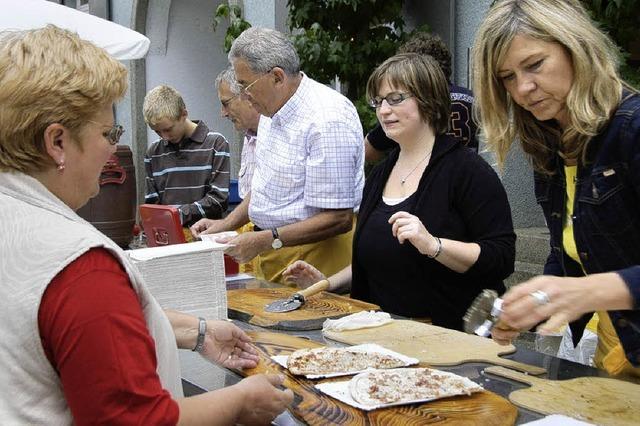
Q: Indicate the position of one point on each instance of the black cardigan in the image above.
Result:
(459, 197)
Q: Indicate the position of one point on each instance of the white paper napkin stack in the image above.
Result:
(185, 277)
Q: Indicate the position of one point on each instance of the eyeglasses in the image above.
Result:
(393, 98)
(245, 89)
(225, 103)
(114, 134)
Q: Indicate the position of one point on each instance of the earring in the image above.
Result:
(61, 166)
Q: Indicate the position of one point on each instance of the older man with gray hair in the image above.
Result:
(309, 170)
(245, 118)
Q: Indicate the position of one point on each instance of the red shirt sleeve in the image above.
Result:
(95, 336)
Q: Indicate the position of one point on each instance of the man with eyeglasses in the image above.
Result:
(309, 163)
(188, 167)
(245, 118)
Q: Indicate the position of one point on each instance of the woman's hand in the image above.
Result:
(560, 300)
(262, 399)
(503, 334)
(407, 227)
(521, 310)
(226, 344)
(302, 274)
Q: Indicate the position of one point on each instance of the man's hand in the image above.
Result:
(207, 226)
(226, 344)
(263, 401)
(247, 245)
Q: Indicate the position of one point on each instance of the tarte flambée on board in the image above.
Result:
(329, 361)
(405, 385)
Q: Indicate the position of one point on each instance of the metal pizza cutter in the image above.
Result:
(483, 313)
(297, 299)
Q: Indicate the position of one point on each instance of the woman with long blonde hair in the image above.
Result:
(544, 74)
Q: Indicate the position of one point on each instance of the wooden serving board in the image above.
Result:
(315, 408)
(596, 400)
(434, 345)
(248, 305)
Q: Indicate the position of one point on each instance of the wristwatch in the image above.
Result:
(277, 242)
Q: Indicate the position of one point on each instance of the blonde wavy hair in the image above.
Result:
(594, 95)
(162, 102)
(49, 75)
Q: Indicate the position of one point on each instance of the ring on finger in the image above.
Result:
(540, 297)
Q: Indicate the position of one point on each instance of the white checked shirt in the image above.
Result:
(247, 163)
(310, 158)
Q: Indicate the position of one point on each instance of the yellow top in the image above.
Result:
(609, 354)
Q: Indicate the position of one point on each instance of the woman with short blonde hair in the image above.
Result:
(36, 91)
(83, 340)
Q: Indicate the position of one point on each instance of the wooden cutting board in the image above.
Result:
(434, 345)
(248, 305)
(596, 400)
(315, 408)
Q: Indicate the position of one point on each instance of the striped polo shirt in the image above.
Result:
(192, 175)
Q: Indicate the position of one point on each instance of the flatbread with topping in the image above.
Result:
(331, 361)
(406, 385)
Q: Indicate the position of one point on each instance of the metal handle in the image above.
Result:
(113, 172)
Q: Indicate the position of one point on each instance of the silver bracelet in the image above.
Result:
(438, 249)
(202, 330)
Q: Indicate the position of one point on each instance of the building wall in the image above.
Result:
(517, 176)
(132, 14)
(187, 54)
(456, 21)
(266, 13)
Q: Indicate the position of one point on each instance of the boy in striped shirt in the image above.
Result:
(188, 167)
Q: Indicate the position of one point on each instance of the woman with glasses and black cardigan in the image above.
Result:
(434, 226)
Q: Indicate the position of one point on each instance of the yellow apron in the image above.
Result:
(188, 236)
(609, 354)
(329, 256)
(248, 267)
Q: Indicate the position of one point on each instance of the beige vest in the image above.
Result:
(39, 236)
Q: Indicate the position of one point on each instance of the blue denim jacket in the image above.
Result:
(606, 216)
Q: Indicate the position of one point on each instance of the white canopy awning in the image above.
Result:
(121, 42)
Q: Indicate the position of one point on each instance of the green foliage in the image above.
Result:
(347, 39)
(620, 18)
(236, 23)
(631, 75)
(366, 113)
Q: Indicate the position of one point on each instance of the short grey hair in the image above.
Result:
(263, 49)
(228, 76)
